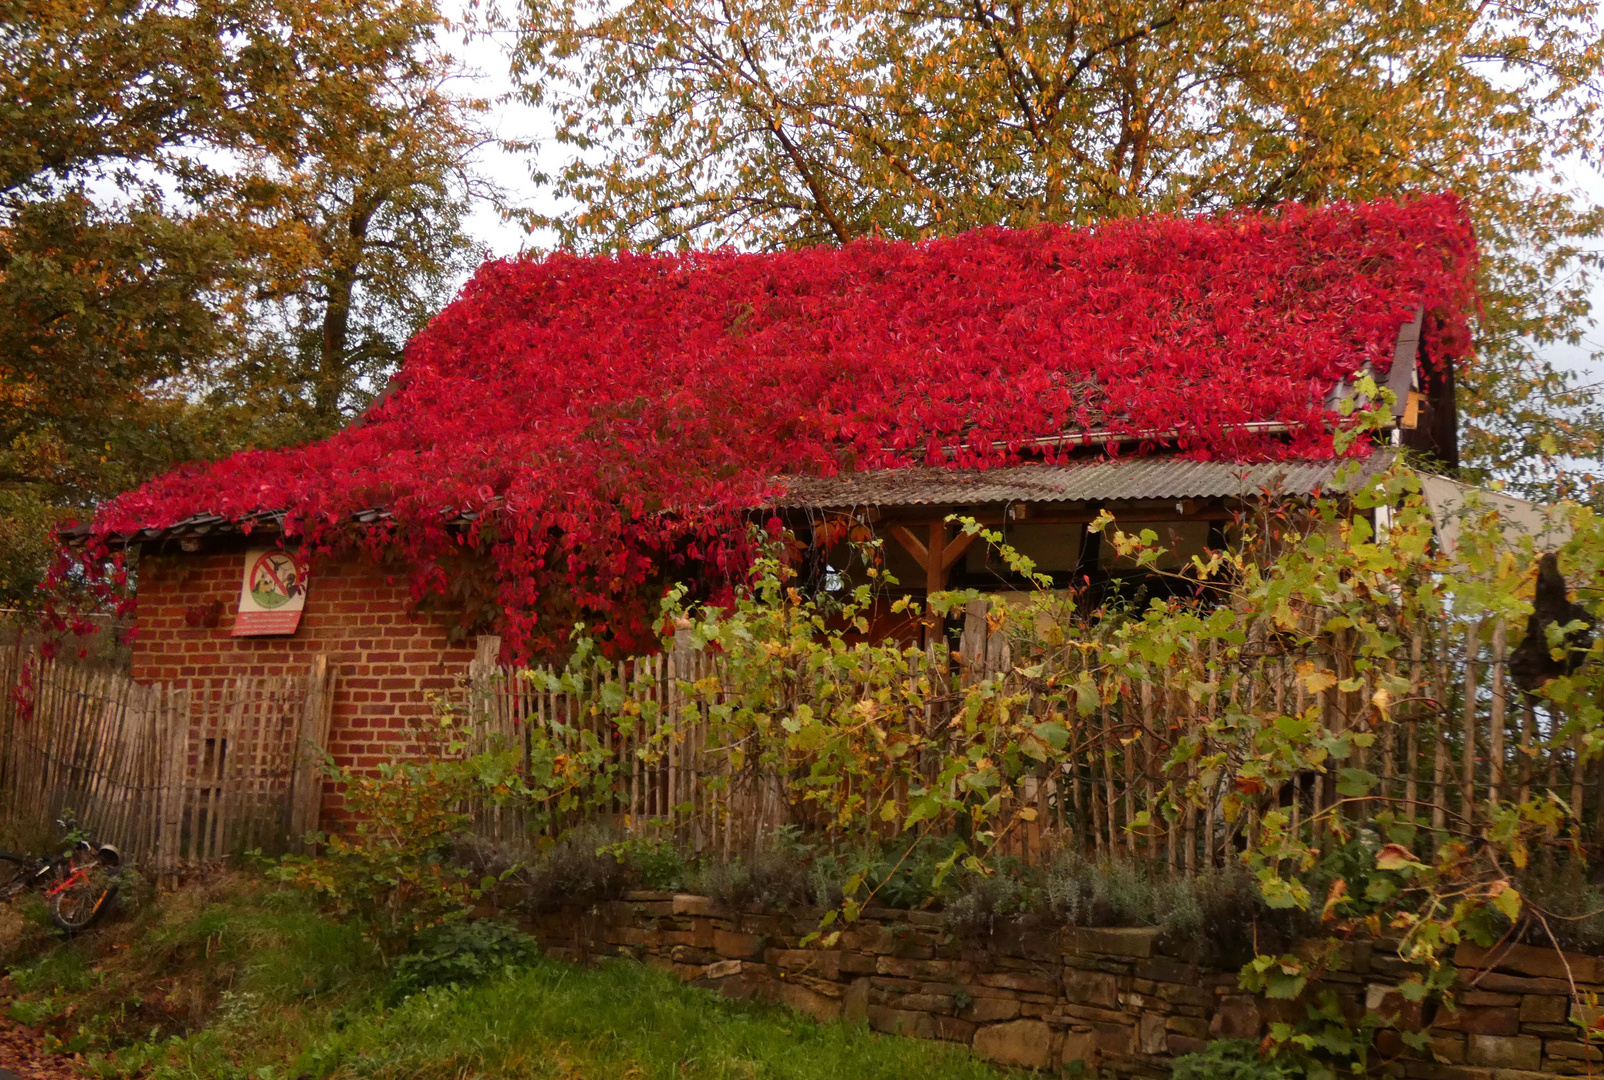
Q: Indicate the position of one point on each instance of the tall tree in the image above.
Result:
(219, 222)
(770, 123)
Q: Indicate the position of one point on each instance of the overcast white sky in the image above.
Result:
(486, 56)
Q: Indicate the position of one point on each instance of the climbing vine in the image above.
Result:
(599, 426)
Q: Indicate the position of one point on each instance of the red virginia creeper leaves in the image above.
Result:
(603, 415)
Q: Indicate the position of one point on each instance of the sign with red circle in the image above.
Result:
(272, 594)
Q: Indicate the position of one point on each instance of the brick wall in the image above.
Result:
(385, 659)
(1112, 999)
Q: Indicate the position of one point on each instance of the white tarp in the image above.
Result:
(1451, 503)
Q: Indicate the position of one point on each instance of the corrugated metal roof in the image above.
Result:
(1094, 481)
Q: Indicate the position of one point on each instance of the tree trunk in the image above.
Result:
(332, 372)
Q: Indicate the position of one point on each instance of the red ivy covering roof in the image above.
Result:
(568, 402)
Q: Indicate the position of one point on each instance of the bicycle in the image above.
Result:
(78, 885)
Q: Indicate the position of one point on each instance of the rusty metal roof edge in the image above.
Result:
(1103, 480)
(1100, 481)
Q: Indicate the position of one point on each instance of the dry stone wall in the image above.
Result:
(1112, 999)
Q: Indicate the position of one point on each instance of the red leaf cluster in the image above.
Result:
(598, 416)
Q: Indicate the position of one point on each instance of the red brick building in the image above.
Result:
(387, 658)
(545, 368)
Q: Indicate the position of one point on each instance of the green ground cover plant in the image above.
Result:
(248, 978)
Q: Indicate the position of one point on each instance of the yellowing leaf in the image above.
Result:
(1315, 679)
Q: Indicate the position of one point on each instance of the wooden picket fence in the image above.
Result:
(1461, 739)
(179, 776)
(182, 775)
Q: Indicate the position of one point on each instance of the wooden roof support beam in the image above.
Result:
(936, 556)
(946, 551)
(955, 549)
(902, 535)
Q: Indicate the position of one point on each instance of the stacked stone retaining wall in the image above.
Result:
(1114, 1000)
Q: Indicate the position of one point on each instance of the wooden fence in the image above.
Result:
(181, 775)
(177, 775)
(1459, 740)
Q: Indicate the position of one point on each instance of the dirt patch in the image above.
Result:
(22, 1051)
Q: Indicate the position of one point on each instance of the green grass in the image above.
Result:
(555, 1020)
(244, 980)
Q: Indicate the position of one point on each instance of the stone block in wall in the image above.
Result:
(722, 969)
(1079, 1045)
(1027, 1044)
(986, 1010)
(825, 963)
(1488, 997)
(1575, 1051)
(1542, 1009)
(1448, 1048)
(1115, 1040)
(1236, 1017)
(690, 954)
(1514, 984)
(885, 987)
(1587, 1015)
(855, 1002)
(935, 1004)
(1532, 960)
(741, 946)
(954, 1029)
(902, 1022)
(1504, 1052)
(1384, 1000)
(1009, 980)
(1178, 1044)
(1167, 969)
(1111, 941)
(910, 968)
(1193, 1027)
(1177, 994)
(1090, 1014)
(857, 963)
(766, 925)
(1484, 1021)
(704, 933)
(689, 904)
(1430, 1070)
(1091, 988)
(1151, 1035)
(804, 1000)
(1037, 945)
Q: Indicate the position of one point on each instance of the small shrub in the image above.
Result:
(461, 953)
(650, 864)
(391, 870)
(984, 902)
(1118, 892)
(779, 876)
(1231, 1059)
(902, 874)
(1568, 891)
(578, 869)
(1219, 918)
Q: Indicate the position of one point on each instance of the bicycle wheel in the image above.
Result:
(15, 873)
(79, 894)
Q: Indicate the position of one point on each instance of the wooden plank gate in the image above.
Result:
(177, 775)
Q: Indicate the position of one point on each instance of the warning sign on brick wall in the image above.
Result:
(272, 594)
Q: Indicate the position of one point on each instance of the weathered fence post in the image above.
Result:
(306, 784)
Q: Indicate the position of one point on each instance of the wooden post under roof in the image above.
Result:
(937, 557)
